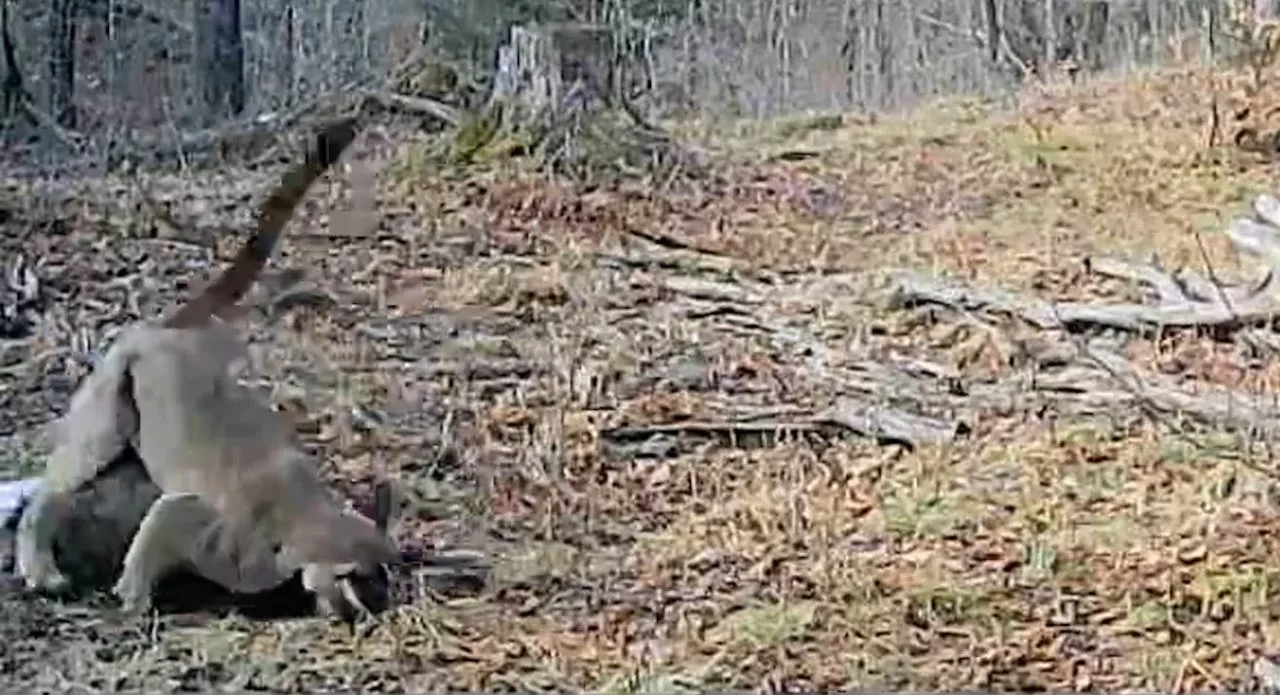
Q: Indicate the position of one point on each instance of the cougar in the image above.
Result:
(95, 527)
(241, 504)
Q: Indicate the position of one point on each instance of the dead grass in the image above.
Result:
(1038, 554)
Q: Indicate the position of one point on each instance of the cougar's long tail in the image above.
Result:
(274, 213)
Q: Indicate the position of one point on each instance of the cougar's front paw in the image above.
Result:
(134, 598)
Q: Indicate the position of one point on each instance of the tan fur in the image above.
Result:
(95, 529)
(215, 439)
(241, 505)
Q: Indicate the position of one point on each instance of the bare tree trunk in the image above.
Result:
(1265, 10)
(1096, 16)
(14, 89)
(851, 52)
(1069, 34)
(1050, 47)
(884, 56)
(220, 57)
(62, 62)
(290, 66)
(1031, 35)
(993, 31)
(1155, 17)
(358, 25)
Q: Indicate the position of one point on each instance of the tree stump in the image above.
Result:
(555, 98)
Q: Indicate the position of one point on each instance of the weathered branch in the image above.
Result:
(913, 289)
(890, 425)
(418, 106)
(1083, 377)
(885, 425)
(1185, 300)
(1167, 287)
(1106, 379)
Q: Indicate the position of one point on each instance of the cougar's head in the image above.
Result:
(345, 560)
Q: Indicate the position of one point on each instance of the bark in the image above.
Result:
(62, 40)
(552, 98)
(1096, 17)
(993, 31)
(220, 58)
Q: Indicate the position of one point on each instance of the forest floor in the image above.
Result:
(584, 406)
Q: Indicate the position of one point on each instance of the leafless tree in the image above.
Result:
(14, 90)
(220, 57)
(1266, 10)
(62, 62)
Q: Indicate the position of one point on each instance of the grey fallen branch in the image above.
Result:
(915, 289)
(1178, 286)
(459, 572)
(709, 290)
(683, 261)
(481, 369)
(418, 106)
(1098, 381)
(889, 425)
(1107, 379)
(885, 425)
(1185, 299)
(736, 434)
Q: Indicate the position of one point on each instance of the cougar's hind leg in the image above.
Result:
(97, 428)
(37, 530)
(99, 424)
(95, 431)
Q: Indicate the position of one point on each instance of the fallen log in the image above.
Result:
(1185, 299)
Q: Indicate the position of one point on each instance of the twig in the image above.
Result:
(1213, 275)
(669, 242)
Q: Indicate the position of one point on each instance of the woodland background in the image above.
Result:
(907, 352)
(112, 68)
